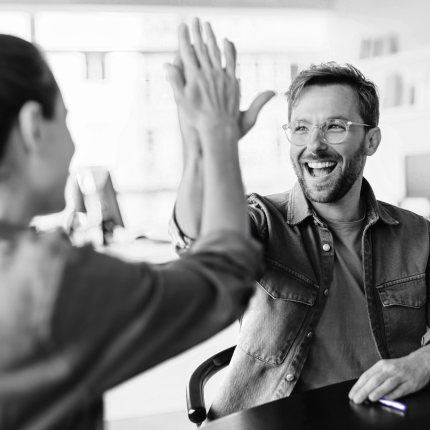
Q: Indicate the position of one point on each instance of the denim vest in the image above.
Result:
(278, 326)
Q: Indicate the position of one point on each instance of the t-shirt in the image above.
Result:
(74, 323)
(342, 347)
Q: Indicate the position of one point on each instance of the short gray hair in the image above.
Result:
(332, 73)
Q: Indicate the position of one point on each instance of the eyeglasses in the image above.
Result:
(332, 131)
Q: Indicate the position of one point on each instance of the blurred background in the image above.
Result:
(107, 56)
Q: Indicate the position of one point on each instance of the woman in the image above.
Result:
(74, 323)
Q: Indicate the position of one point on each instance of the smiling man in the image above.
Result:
(344, 294)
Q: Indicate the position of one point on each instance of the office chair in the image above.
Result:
(195, 388)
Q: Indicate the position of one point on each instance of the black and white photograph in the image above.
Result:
(214, 213)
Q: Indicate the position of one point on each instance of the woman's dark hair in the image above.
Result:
(24, 76)
(332, 73)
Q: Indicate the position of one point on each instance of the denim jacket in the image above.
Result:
(278, 326)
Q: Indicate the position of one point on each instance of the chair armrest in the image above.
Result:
(195, 395)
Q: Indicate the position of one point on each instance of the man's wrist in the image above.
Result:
(423, 354)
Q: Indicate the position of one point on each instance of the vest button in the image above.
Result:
(310, 335)
(326, 292)
(326, 247)
(290, 378)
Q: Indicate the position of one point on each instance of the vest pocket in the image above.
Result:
(404, 313)
(276, 313)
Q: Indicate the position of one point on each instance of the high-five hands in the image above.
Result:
(200, 66)
(207, 94)
(393, 378)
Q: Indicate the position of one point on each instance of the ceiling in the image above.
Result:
(296, 4)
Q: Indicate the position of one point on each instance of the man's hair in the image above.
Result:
(332, 73)
(24, 76)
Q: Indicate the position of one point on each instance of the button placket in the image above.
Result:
(327, 260)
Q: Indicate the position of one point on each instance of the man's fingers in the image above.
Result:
(400, 391)
(383, 389)
(199, 45)
(213, 50)
(230, 58)
(249, 117)
(362, 381)
(186, 50)
(176, 80)
(371, 385)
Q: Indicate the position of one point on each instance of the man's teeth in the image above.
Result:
(321, 165)
(320, 169)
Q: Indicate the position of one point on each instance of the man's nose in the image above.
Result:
(316, 141)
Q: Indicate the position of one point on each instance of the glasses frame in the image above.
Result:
(321, 133)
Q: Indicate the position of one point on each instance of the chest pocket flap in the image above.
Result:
(276, 313)
(283, 283)
(409, 292)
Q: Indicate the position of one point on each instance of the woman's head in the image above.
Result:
(24, 76)
(34, 138)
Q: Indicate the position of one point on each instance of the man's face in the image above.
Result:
(344, 162)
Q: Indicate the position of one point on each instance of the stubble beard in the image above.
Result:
(337, 187)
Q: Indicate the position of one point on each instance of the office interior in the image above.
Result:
(107, 57)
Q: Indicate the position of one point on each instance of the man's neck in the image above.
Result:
(348, 209)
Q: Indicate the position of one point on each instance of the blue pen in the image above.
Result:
(393, 404)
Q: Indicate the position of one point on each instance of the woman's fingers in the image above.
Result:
(213, 50)
(199, 45)
(204, 54)
(176, 80)
(177, 62)
(209, 93)
(186, 51)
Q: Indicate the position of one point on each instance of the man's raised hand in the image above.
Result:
(192, 63)
(207, 94)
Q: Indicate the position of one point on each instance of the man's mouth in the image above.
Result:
(320, 169)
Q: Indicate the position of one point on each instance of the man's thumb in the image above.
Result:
(249, 117)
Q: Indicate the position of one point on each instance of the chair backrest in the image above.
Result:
(195, 388)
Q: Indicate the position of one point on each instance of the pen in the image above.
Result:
(393, 404)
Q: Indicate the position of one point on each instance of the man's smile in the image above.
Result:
(320, 169)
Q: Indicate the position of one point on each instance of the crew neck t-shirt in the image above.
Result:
(342, 347)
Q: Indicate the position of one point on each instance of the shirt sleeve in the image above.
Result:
(113, 320)
(183, 243)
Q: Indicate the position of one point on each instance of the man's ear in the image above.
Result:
(30, 120)
(373, 139)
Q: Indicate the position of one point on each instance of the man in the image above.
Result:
(73, 322)
(344, 294)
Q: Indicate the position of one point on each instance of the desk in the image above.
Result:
(329, 408)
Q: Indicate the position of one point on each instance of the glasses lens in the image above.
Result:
(334, 130)
(298, 132)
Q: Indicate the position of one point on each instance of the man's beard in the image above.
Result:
(338, 187)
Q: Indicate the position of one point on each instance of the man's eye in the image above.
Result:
(336, 127)
(300, 129)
